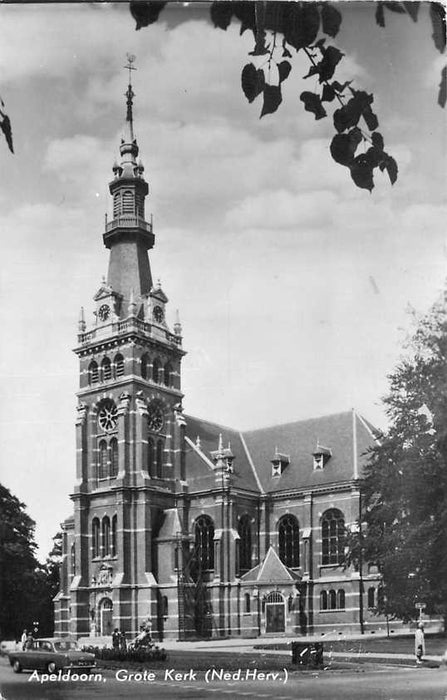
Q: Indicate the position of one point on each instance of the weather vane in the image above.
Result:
(130, 60)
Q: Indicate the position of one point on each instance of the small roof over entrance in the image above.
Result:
(271, 570)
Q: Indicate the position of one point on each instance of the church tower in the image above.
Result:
(128, 423)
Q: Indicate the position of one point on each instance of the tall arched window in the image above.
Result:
(143, 365)
(288, 537)
(167, 374)
(95, 538)
(119, 365)
(73, 559)
(341, 599)
(93, 372)
(156, 370)
(105, 536)
(113, 548)
(102, 460)
(333, 537)
(160, 458)
(113, 457)
(371, 597)
(245, 545)
(332, 600)
(204, 540)
(106, 369)
(247, 602)
(128, 202)
(150, 457)
(323, 600)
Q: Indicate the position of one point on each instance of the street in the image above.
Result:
(365, 682)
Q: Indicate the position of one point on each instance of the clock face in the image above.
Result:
(108, 416)
(104, 312)
(155, 418)
(158, 314)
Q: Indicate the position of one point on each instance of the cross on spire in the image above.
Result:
(130, 93)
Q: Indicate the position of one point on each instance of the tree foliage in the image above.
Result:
(26, 586)
(281, 30)
(405, 486)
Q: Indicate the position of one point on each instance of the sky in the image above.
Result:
(293, 285)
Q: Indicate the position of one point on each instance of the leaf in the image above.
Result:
(395, 7)
(145, 13)
(301, 24)
(5, 126)
(340, 88)
(437, 16)
(246, 14)
(260, 47)
(389, 164)
(344, 146)
(380, 15)
(312, 103)
(442, 95)
(328, 93)
(331, 19)
(362, 173)
(331, 57)
(272, 99)
(221, 14)
(377, 140)
(252, 81)
(284, 69)
(370, 118)
(413, 9)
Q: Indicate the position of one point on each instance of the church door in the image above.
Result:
(275, 619)
(106, 617)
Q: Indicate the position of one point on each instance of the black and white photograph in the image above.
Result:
(223, 358)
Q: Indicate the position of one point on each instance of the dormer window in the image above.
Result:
(321, 456)
(279, 463)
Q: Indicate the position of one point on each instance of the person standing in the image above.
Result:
(23, 639)
(116, 638)
(419, 643)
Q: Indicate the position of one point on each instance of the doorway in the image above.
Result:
(106, 617)
(275, 613)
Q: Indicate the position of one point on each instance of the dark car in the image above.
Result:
(52, 655)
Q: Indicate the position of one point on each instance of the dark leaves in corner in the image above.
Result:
(253, 81)
(145, 13)
(221, 14)
(312, 103)
(362, 172)
(442, 95)
(359, 105)
(302, 25)
(272, 99)
(389, 164)
(438, 21)
(413, 9)
(344, 146)
(5, 126)
(331, 19)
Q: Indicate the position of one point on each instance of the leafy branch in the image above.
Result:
(306, 26)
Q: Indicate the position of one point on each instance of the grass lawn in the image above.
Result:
(434, 645)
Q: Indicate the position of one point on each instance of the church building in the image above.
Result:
(192, 527)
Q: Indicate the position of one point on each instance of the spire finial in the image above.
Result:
(130, 93)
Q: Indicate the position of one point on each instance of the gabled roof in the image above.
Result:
(271, 570)
(346, 437)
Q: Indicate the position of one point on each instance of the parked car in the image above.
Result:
(52, 655)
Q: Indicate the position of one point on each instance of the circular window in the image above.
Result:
(108, 416)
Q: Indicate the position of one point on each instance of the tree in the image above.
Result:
(281, 30)
(405, 487)
(26, 587)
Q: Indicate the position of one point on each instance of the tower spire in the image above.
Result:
(130, 95)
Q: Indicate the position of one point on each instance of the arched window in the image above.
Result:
(116, 205)
(102, 460)
(332, 600)
(73, 559)
(93, 372)
(106, 369)
(245, 546)
(113, 457)
(128, 202)
(323, 600)
(247, 602)
(371, 597)
(95, 538)
(333, 536)
(167, 374)
(160, 458)
(204, 540)
(288, 537)
(113, 549)
(143, 365)
(156, 370)
(380, 596)
(150, 457)
(164, 606)
(105, 536)
(119, 365)
(341, 599)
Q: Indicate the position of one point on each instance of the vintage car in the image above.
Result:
(52, 655)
